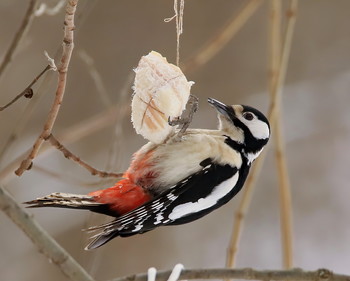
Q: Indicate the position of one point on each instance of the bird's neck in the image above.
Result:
(249, 153)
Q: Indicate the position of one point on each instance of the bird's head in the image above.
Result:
(244, 124)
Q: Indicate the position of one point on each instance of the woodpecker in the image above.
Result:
(178, 181)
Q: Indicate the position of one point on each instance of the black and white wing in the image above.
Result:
(190, 199)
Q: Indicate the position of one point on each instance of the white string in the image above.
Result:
(179, 14)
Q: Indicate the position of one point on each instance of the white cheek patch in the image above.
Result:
(258, 128)
(204, 203)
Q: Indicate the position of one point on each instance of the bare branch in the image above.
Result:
(72, 134)
(70, 179)
(41, 239)
(280, 151)
(24, 116)
(28, 91)
(286, 214)
(96, 77)
(242, 209)
(250, 184)
(246, 274)
(23, 29)
(71, 156)
(115, 155)
(220, 40)
(59, 176)
(275, 23)
(281, 75)
(68, 46)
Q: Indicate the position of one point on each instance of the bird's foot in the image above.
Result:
(185, 121)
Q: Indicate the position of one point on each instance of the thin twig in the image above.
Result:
(41, 239)
(275, 24)
(287, 43)
(70, 135)
(21, 32)
(25, 115)
(114, 161)
(285, 197)
(27, 92)
(280, 151)
(246, 274)
(115, 155)
(220, 40)
(272, 116)
(69, 155)
(96, 77)
(69, 179)
(280, 154)
(68, 46)
(242, 210)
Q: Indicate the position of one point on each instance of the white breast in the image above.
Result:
(176, 161)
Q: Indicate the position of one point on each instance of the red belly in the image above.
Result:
(123, 197)
(130, 192)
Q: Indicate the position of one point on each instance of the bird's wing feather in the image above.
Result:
(190, 199)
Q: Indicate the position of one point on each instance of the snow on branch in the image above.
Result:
(68, 45)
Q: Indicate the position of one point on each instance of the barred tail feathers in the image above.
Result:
(99, 240)
(66, 200)
(115, 201)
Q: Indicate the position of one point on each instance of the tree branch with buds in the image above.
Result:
(28, 91)
(68, 45)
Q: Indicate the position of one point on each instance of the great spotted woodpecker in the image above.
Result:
(178, 181)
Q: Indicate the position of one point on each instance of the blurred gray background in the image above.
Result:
(115, 34)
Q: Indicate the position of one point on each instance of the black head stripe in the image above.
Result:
(251, 144)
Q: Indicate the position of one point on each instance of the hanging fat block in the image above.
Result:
(161, 91)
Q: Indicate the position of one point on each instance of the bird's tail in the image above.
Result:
(68, 200)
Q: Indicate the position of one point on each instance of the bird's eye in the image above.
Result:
(248, 116)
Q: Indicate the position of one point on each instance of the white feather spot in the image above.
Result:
(159, 218)
(171, 197)
(137, 227)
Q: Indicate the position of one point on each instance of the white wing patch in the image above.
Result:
(204, 203)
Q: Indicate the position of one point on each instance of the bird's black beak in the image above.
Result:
(222, 108)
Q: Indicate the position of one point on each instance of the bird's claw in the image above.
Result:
(185, 121)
